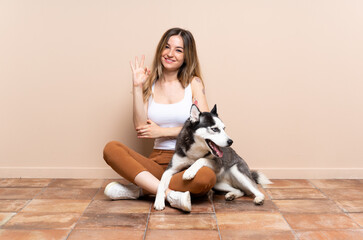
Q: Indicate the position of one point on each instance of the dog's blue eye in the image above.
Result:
(215, 129)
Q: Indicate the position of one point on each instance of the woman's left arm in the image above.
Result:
(152, 130)
(199, 97)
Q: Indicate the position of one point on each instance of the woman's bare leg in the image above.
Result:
(148, 182)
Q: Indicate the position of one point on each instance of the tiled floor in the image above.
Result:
(77, 209)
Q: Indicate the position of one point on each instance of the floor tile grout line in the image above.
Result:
(71, 229)
(295, 198)
(147, 222)
(211, 196)
(332, 200)
(319, 190)
(360, 226)
(282, 215)
(265, 189)
(27, 203)
(341, 208)
(20, 186)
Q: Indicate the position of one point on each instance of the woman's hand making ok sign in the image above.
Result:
(139, 72)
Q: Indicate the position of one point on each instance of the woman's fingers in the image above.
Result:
(142, 61)
(143, 134)
(132, 67)
(147, 71)
(139, 72)
(142, 129)
(137, 62)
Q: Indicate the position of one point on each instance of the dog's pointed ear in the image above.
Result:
(214, 110)
(194, 113)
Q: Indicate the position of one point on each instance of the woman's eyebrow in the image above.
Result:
(175, 47)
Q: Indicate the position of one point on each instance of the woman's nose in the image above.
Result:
(170, 53)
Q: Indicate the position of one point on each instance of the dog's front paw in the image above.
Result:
(159, 206)
(259, 200)
(159, 203)
(188, 175)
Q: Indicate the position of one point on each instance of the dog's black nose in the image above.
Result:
(230, 141)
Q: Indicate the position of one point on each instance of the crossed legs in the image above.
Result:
(146, 172)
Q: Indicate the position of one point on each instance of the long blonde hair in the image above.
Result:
(189, 69)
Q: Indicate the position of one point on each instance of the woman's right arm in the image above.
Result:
(139, 75)
(139, 108)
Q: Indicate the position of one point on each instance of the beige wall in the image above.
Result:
(286, 75)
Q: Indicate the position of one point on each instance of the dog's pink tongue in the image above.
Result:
(218, 150)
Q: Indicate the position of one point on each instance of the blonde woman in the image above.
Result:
(162, 98)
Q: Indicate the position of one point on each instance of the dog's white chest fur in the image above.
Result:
(196, 150)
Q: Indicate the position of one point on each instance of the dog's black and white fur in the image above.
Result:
(203, 142)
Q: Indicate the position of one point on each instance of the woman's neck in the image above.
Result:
(169, 76)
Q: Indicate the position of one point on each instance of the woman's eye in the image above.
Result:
(179, 51)
(166, 46)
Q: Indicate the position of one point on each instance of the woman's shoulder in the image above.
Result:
(197, 84)
(196, 79)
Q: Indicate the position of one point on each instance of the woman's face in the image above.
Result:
(172, 56)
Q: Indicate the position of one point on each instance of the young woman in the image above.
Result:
(162, 98)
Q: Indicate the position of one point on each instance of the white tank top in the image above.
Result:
(170, 115)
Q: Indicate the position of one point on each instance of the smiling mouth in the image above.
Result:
(168, 60)
(215, 149)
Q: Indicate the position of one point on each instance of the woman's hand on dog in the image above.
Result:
(150, 130)
(139, 72)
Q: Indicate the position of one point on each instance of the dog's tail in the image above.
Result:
(260, 178)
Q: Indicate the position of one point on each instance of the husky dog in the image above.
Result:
(203, 142)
